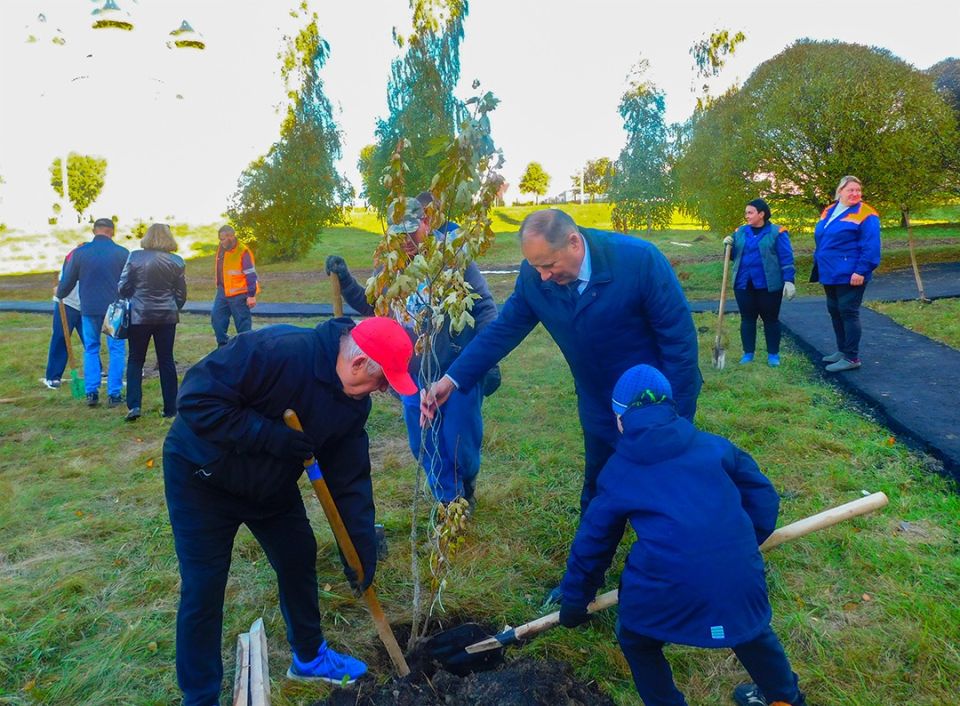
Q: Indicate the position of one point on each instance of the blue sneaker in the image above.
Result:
(329, 666)
(773, 360)
(747, 358)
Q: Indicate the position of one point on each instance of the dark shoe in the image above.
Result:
(833, 357)
(114, 400)
(842, 365)
(553, 598)
(471, 505)
(133, 415)
(749, 695)
(93, 399)
(328, 666)
(382, 549)
(168, 415)
(51, 384)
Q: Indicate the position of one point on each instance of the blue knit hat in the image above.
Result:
(639, 386)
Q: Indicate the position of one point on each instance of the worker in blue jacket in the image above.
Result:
(846, 254)
(229, 459)
(610, 301)
(97, 266)
(762, 262)
(700, 508)
(451, 449)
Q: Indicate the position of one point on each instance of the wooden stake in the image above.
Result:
(241, 683)
(259, 667)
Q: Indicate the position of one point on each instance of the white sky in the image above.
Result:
(558, 66)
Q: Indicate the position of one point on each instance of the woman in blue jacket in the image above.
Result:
(700, 508)
(846, 254)
(764, 274)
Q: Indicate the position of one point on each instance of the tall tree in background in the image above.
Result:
(285, 198)
(534, 181)
(423, 109)
(86, 176)
(946, 77)
(710, 55)
(805, 118)
(597, 177)
(642, 189)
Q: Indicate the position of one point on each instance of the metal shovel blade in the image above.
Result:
(448, 649)
(719, 355)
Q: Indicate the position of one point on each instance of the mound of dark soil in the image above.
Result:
(525, 682)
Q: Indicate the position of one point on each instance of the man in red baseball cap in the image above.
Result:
(229, 459)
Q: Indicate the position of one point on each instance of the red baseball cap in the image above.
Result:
(388, 345)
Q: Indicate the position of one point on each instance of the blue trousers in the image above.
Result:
(763, 658)
(116, 347)
(223, 308)
(843, 304)
(57, 355)
(451, 447)
(205, 521)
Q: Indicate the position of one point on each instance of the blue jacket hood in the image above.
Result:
(654, 434)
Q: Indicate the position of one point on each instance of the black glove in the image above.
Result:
(336, 265)
(573, 615)
(286, 443)
(357, 587)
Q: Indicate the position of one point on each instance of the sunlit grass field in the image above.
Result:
(88, 578)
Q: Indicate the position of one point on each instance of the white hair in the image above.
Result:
(350, 350)
(843, 182)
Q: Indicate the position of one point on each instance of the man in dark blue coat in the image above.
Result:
(229, 459)
(97, 266)
(609, 301)
(700, 508)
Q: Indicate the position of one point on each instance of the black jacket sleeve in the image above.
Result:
(180, 287)
(128, 279)
(355, 295)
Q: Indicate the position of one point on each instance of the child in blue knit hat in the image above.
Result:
(700, 508)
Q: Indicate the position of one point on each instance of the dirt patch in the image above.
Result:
(525, 682)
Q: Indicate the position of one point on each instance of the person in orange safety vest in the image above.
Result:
(237, 286)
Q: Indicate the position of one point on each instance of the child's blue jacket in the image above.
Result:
(700, 507)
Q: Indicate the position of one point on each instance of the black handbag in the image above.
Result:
(116, 323)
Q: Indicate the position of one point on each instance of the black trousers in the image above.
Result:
(843, 303)
(205, 522)
(763, 658)
(761, 303)
(139, 337)
(597, 451)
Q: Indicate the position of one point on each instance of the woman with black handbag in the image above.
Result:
(153, 280)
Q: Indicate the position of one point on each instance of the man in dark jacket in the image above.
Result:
(700, 508)
(609, 301)
(450, 449)
(97, 267)
(230, 459)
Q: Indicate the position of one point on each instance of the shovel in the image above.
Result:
(477, 654)
(349, 552)
(337, 296)
(719, 354)
(76, 387)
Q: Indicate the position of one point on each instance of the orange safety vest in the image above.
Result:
(234, 276)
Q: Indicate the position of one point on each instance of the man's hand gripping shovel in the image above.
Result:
(349, 552)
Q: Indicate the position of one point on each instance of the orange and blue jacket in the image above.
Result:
(236, 272)
(850, 244)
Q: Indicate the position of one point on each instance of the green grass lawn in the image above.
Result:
(939, 320)
(88, 578)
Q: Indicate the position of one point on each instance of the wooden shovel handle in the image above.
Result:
(66, 333)
(350, 554)
(827, 518)
(723, 286)
(337, 296)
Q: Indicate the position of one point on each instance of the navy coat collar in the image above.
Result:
(600, 275)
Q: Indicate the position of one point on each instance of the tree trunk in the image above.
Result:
(905, 219)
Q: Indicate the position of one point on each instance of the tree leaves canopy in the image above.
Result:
(420, 99)
(534, 180)
(808, 116)
(285, 198)
(86, 176)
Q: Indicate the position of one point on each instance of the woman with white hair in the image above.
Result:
(846, 254)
